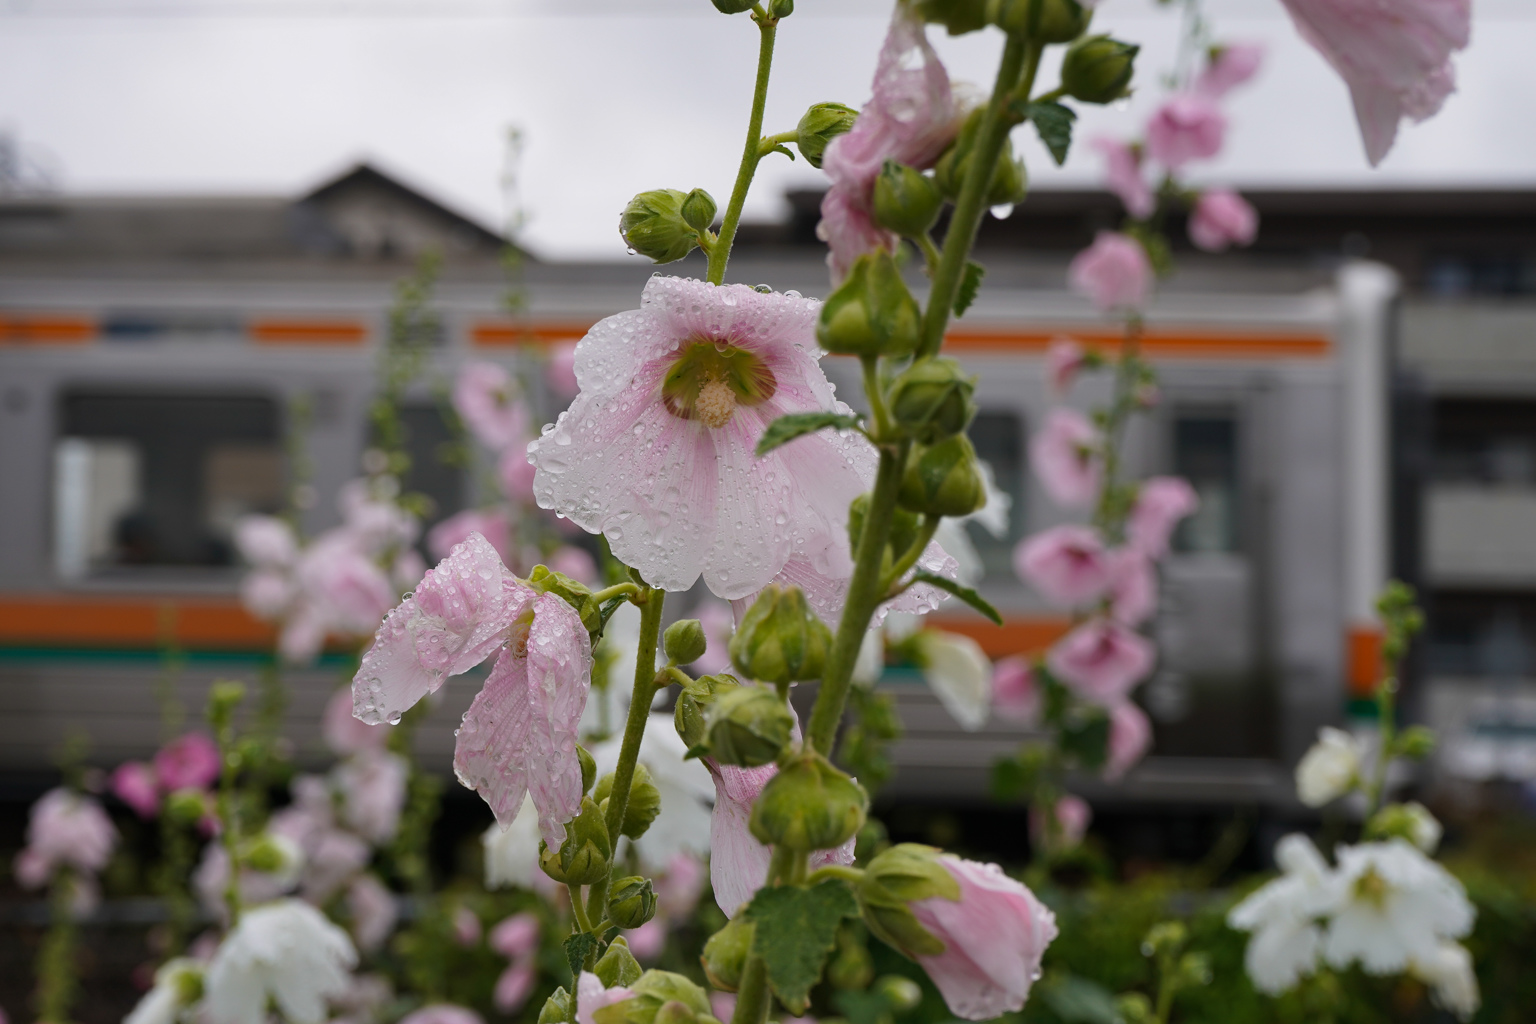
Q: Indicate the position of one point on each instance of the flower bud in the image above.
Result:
(725, 954)
(1417, 742)
(655, 990)
(577, 595)
(931, 399)
(684, 641)
(1098, 69)
(617, 967)
(780, 9)
(559, 1008)
(187, 806)
(780, 639)
(958, 16)
(644, 801)
(632, 902)
(698, 210)
(906, 200)
(1043, 21)
(1009, 182)
(904, 527)
(895, 878)
(871, 313)
(901, 994)
(1411, 821)
(943, 480)
(583, 858)
(652, 224)
(809, 805)
(732, 6)
(820, 125)
(693, 704)
(748, 727)
(271, 854)
(852, 967)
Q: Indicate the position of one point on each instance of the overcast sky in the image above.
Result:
(616, 96)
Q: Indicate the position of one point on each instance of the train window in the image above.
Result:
(159, 479)
(1483, 634)
(999, 440)
(1485, 441)
(1205, 454)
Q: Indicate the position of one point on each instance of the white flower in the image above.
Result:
(1396, 906)
(1282, 916)
(512, 854)
(286, 952)
(1330, 769)
(959, 674)
(1449, 973)
(176, 985)
(687, 792)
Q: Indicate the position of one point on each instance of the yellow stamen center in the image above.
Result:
(716, 403)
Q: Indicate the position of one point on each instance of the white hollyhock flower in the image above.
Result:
(1396, 906)
(687, 793)
(286, 952)
(1282, 915)
(177, 984)
(512, 854)
(1330, 769)
(960, 675)
(1450, 976)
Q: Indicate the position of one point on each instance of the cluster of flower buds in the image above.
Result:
(1010, 182)
(871, 313)
(665, 224)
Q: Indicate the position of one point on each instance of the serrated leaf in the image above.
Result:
(797, 424)
(970, 284)
(966, 594)
(576, 949)
(1053, 123)
(795, 931)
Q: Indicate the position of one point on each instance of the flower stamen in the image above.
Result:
(716, 403)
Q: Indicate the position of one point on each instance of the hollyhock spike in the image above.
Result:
(1187, 127)
(1123, 175)
(484, 395)
(1102, 660)
(1113, 272)
(1066, 564)
(1221, 219)
(1065, 455)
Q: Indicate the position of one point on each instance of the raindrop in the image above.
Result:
(632, 252)
(1002, 211)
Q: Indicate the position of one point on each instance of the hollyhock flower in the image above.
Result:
(190, 762)
(1065, 458)
(175, 981)
(1132, 586)
(994, 937)
(1186, 127)
(302, 637)
(1330, 769)
(513, 987)
(371, 520)
(442, 1013)
(1123, 175)
(1102, 660)
(1066, 564)
(373, 911)
(1063, 359)
(1396, 907)
(560, 371)
(1424, 830)
(1113, 272)
(682, 826)
(574, 562)
(1395, 58)
(64, 828)
(1072, 817)
(466, 926)
(1230, 66)
(343, 733)
(656, 452)
(454, 530)
(1130, 737)
(679, 887)
(1015, 696)
(266, 541)
(649, 940)
(372, 784)
(1282, 915)
(1160, 503)
(723, 1005)
(134, 784)
(1452, 981)
(516, 936)
(516, 474)
(512, 853)
(265, 593)
(848, 227)
(332, 860)
(285, 952)
(959, 674)
(738, 863)
(825, 579)
(1222, 218)
(485, 397)
(350, 591)
(718, 624)
(519, 734)
(591, 996)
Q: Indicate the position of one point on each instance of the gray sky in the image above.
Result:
(616, 96)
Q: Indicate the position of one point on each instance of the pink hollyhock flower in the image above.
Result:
(373, 785)
(442, 1013)
(738, 863)
(1066, 564)
(519, 735)
(466, 926)
(591, 996)
(1222, 218)
(1114, 272)
(1065, 457)
(719, 624)
(574, 562)
(65, 827)
(1015, 696)
(649, 940)
(1230, 66)
(485, 397)
(560, 371)
(451, 532)
(849, 229)
(1123, 175)
(332, 859)
(266, 541)
(516, 474)
(134, 784)
(1160, 504)
(994, 937)
(266, 593)
(1063, 360)
(343, 733)
(656, 452)
(679, 887)
(1072, 817)
(350, 591)
(373, 912)
(514, 986)
(371, 524)
(1102, 660)
(516, 936)
(1130, 737)
(1132, 586)
(1186, 127)
(407, 570)
(1395, 57)
(723, 1005)
(189, 762)
(302, 637)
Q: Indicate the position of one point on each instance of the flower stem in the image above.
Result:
(1121, 407)
(720, 253)
(971, 203)
(618, 589)
(583, 923)
(639, 706)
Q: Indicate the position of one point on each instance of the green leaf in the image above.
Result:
(576, 949)
(796, 424)
(796, 929)
(970, 284)
(1077, 1000)
(965, 594)
(1053, 123)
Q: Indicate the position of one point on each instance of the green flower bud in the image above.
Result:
(588, 768)
(559, 1008)
(1411, 821)
(583, 858)
(749, 726)
(906, 201)
(1164, 937)
(652, 224)
(958, 16)
(1098, 69)
(185, 977)
(900, 994)
(577, 595)
(644, 801)
(1052, 21)
(654, 990)
(820, 125)
(852, 967)
(698, 210)
(693, 703)
(780, 9)
(732, 6)
(904, 526)
(943, 480)
(725, 954)
(617, 967)
(895, 878)
(187, 806)
(1009, 181)
(809, 805)
(269, 854)
(780, 639)
(684, 641)
(1417, 742)
(1134, 1008)
(931, 399)
(871, 313)
(674, 1012)
(632, 902)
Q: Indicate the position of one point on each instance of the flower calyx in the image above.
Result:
(818, 126)
(896, 878)
(617, 968)
(643, 806)
(906, 200)
(1041, 21)
(943, 479)
(1010, 181)
(931, 399)
(957, 16)
(653, 225)
(1098, 69)
(661, 997)
(748, 727)
(578, 595)
(631, 902)
(559, 1008)
(725, 954)
(809, 805)
(583, 858)
(689, 714)
(780, 639)
(871, 313)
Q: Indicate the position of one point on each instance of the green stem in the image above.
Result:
(639, 707)
(909, 559)
(228, 820)
(720, 252)
(752, 994)
(770, 141)
(877, 409)
(1386, 716)
(930, 253)
(673, 674)
(851, 875)
(617, 590)
(583, 923)
(971, 203)
(1121, 407)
